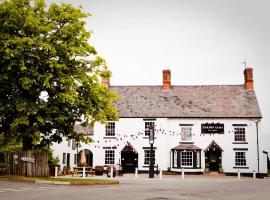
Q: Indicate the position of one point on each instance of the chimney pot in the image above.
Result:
(248, 73)
(166, 79)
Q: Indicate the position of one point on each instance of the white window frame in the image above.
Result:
(198, 159)
(182, 157)
(146, 127)
(240, 132)
(175, 159)
(242, 161)
(109, 157)
(110, 129)
(147, 156)
(184, 136)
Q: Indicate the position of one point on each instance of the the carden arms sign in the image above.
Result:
(212, 128)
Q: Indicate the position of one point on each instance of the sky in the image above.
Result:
(201, 42)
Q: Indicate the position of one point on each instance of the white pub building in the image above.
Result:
(197, 128)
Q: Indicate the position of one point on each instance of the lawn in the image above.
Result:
(70, 180)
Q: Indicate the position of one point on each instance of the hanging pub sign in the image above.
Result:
(212, 128)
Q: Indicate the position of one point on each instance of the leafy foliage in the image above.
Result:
(50, 74)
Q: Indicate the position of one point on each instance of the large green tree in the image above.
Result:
(49, 73)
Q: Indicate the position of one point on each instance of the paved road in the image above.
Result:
(188, 189)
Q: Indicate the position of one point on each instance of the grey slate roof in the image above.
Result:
(217, 101)
(88, 130)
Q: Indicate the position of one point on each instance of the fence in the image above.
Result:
(27, 163)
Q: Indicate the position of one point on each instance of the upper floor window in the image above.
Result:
(186, 133)
(239, 134)
(240, 159)
(147, 127)
(110, 129)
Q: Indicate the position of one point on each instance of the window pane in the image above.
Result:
(147, 156)
(147, 125)
(75, 159)
(175, 159)
(239, 134)
(186, 133)
(109, 157)
(187, 158)
(64, 158)
(240, 159)
(110, 129)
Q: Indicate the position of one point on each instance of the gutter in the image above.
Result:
(258, 155)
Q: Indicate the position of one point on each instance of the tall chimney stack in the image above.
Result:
(166, 79)
(248, 79)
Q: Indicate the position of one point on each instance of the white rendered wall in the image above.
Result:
(167, 137)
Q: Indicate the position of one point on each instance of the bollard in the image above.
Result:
(160, 174)
(136, 172)
(183, 174)
(238, 174)
(55, 172)
(111, 172)
(83, 172)
(254, 174)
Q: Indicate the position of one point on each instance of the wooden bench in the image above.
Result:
(79, 171)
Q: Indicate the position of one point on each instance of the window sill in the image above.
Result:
(147, 166)
(147, 137)
(241, 167)
(240, 142)
(109, 137)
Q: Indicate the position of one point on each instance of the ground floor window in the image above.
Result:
(147, 156)
(186, 158)
(240, 159)
(75, 159)
(109, 157)
(64, 158)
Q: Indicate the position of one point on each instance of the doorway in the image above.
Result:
(88, 157)
(213, 157)
(129, 159)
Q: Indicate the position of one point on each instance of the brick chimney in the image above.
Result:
(106, 82)
(248, 78)
(166, 79)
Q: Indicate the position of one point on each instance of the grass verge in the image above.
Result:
(72, 181)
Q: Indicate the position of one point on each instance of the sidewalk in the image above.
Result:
(130, 178)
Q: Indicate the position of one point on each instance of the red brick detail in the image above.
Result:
(248, 73)
(166, 79)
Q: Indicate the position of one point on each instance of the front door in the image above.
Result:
(213, 160)
(129, 161)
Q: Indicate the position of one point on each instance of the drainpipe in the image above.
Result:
(258, 153)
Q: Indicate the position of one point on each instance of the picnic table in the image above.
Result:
(79, 171)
